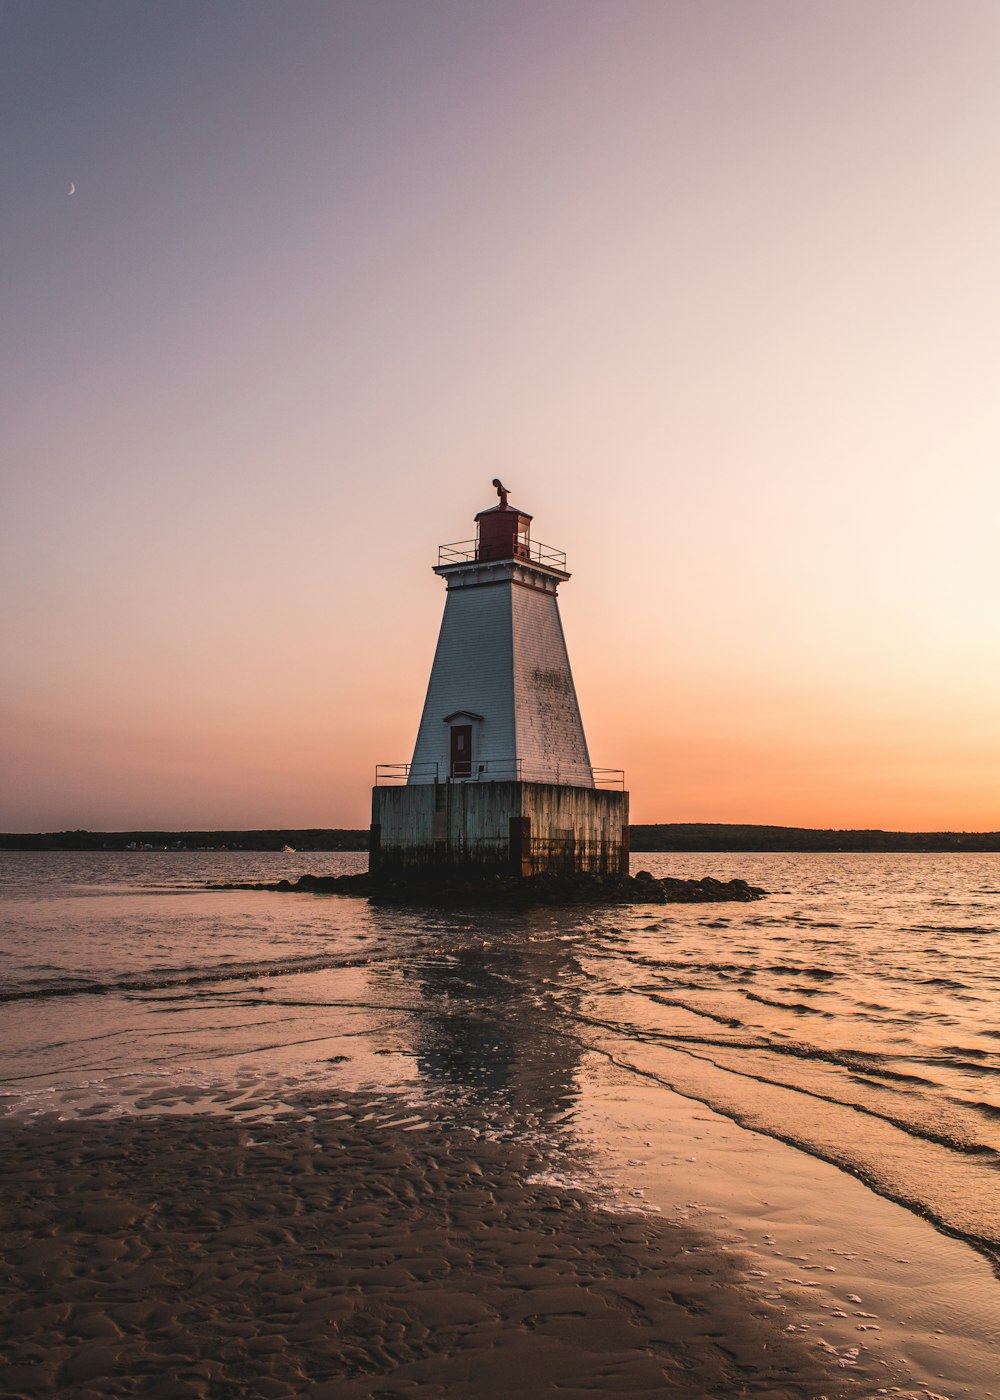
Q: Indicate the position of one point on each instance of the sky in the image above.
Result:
(713, 285)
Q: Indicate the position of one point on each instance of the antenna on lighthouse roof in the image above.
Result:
(502, 492)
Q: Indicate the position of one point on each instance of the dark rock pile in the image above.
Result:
(459, 888)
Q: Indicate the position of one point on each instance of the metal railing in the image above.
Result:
(499, 771)
(466, 552)
(386, 774)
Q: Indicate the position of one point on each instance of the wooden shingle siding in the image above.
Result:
(549, 734)
(473, 669)
(501, 655)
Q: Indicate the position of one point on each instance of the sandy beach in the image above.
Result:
(294, 1145)
(359, 1250)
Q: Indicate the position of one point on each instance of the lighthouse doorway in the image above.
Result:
(461, 750)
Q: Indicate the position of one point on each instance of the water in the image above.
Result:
(778, 1070)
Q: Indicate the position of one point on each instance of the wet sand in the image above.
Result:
(359, 1250)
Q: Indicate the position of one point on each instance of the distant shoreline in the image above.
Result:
(649, 838)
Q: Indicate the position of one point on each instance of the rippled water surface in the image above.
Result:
(853, 1015)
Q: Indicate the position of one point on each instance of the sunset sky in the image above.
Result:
(713, 286)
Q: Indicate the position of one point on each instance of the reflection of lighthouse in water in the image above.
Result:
(483, 1029)
(501, 776)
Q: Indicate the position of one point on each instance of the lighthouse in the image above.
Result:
(501, 779)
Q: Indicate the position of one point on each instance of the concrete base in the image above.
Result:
(502, 828)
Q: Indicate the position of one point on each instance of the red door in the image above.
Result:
(461, 750)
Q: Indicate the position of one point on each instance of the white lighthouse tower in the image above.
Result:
(501, 703)
(501, 777)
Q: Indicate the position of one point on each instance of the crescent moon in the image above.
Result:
(72, 188)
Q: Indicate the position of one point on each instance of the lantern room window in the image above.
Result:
(503, 534)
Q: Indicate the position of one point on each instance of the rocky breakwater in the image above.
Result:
(457, 888)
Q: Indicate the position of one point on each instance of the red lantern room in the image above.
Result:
(503, 531)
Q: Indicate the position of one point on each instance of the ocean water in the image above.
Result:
(818, 1071)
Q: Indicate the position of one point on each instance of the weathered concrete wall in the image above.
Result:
(525, 828)
(444, 824)
(576, 829)
(403, 824)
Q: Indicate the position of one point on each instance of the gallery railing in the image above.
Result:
(514, 771)
(466, 552)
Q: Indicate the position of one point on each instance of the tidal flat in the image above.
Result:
(356, 1249)
(300, 1144)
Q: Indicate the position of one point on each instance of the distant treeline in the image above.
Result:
(309, 839)
(718, 836)
(664, 836)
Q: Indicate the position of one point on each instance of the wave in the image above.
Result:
(788, 969)
(978, 929)
(800, 1007)
(162, 979)
(988, 1110)
(881, 1162)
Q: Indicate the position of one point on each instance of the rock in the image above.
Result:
(451, 887)
(436, 887)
